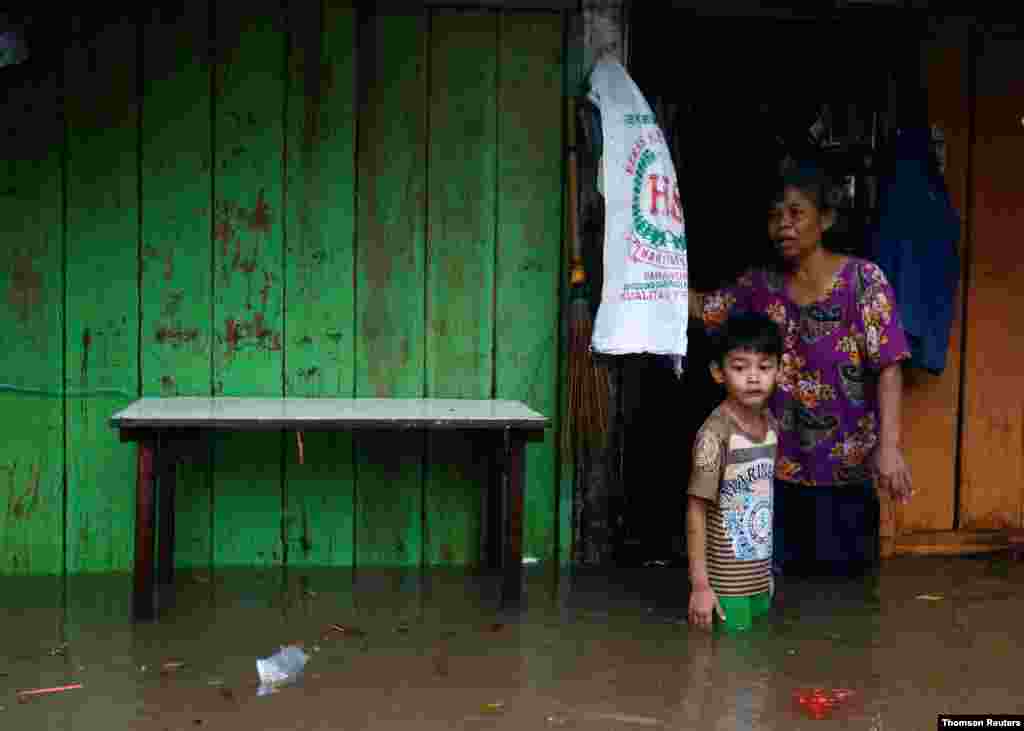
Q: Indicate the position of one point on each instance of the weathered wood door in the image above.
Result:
(992, 487)
(321, 202)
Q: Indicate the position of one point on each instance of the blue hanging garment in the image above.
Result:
(915, 244)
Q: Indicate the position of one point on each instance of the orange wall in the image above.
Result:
(991, 441)
(931, 403)
(992, 478)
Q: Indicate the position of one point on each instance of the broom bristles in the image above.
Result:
(587, 418)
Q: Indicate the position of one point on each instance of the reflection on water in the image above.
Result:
(424, 650)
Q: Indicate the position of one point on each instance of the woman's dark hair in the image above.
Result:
(750, 331)
(811, 179)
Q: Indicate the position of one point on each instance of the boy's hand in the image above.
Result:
(703, 603)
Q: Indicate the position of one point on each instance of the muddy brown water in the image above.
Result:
(593, 651)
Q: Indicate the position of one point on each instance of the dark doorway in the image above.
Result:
(735, 96)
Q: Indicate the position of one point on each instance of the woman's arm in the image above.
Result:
(893, 473)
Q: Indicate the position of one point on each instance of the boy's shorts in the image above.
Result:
(740, 611)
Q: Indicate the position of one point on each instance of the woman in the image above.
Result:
(838, 401)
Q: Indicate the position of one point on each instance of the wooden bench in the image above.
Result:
(168, 429)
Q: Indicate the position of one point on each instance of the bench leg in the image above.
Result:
(165, 564)
(143, 603)
(492, 525)
(512, 568)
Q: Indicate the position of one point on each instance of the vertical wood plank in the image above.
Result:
(931, 403)
(32, 438)
(565, 460)
(390, 281)
(248, 273)
(320, 305)
(101, 348)
(993, 456)
(529, 245)
(460, 266)
(176, 245)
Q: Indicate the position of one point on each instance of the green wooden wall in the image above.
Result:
(267, 200)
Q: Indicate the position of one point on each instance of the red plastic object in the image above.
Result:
(819, 703)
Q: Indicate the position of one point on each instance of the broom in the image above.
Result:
(587, 417)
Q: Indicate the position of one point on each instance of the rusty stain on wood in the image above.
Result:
(231, 335)
(176, 335)
(260, 219)
(25, 503)
(224, 232)
(229, 215)
(268, 280)
(237, 331)
(23, 292)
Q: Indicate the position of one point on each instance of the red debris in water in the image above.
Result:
(24, 695)
(352, 631)
(818, 703)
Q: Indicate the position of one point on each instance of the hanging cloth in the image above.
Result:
(915, 243)
(644, 306)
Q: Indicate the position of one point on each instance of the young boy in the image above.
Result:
(729, 513)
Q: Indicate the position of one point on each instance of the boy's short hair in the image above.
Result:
(749, 331)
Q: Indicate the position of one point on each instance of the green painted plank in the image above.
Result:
(460, 271)
(248, 191)
(320, 500)
(176, 245)
(389, 482)
(529, 246)
(320, 306)
(102, 236)
(247, 500)
(193, 507)
(390, 281)
(565, 461)
(32, 435)
(248, 273)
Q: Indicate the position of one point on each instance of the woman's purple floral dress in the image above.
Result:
(827, 396)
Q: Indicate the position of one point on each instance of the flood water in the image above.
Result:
(592, 651)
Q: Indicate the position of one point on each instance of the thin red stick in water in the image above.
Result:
(48, 691)
(298, 434)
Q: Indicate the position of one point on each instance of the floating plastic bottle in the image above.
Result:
(283, 667)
